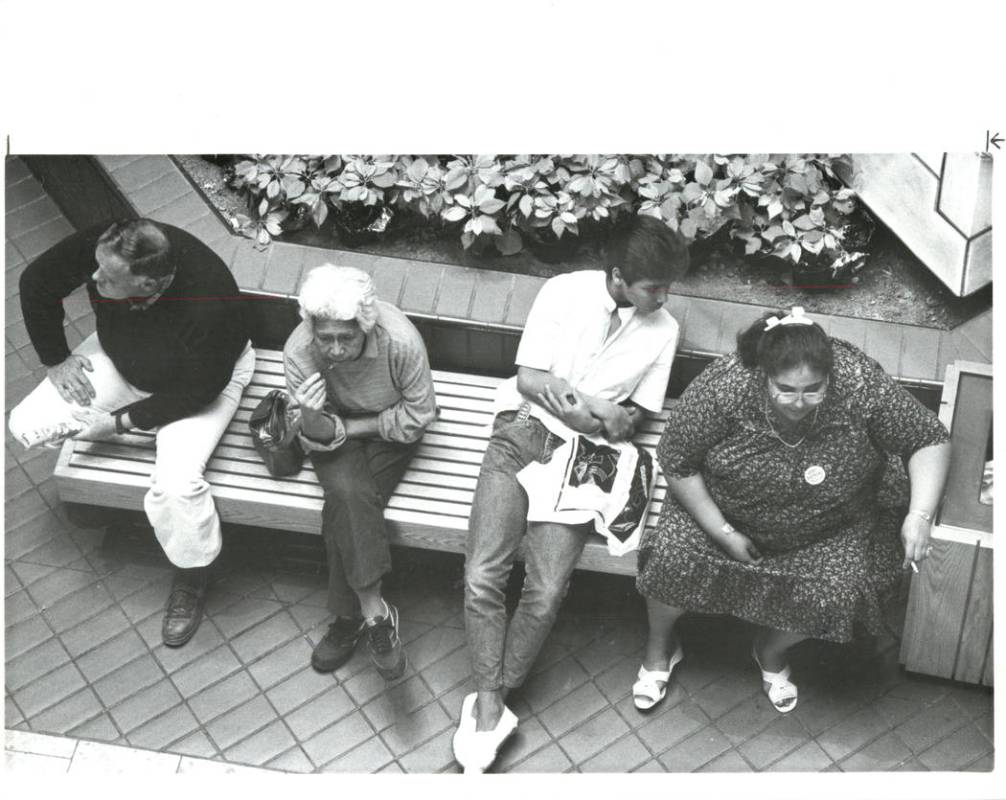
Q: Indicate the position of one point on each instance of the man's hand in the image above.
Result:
(571, 408)
(739, 547)
(915, 533)
(98, 426)
(618, 423)
(70, 381)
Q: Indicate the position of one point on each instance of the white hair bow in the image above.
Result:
(795, 317)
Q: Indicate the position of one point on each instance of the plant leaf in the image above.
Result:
(703, 173)
(509, 243)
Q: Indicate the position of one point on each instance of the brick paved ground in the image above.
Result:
(84, 589)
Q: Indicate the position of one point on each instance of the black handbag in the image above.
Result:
(274, 436)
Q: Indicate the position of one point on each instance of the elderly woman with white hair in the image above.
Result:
(358, 371)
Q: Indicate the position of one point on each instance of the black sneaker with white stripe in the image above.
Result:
(385, 647)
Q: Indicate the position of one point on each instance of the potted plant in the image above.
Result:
(357, 198)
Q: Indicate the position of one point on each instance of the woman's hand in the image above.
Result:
(915, 533)
(311, 396)
(739, 547)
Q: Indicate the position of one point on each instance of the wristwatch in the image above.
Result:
(920, 513)
(727, 528)
(119, 427)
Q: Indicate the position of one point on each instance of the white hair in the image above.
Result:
(338, 293)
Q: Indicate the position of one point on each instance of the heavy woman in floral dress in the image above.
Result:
(785, 465)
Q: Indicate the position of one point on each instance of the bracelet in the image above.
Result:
(920, 513)
(727, 528)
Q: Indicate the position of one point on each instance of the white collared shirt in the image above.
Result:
(565, 335)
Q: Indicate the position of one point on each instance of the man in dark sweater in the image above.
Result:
(171, 354)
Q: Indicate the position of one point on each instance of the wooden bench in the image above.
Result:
(429, 508)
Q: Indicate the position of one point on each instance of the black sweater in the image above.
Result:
(182, 348)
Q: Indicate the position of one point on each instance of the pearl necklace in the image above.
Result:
(777, 435)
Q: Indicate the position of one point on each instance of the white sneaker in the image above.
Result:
(476, 750)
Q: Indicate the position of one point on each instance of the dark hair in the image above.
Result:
(645, 248)
(142, 244)
(784, 346)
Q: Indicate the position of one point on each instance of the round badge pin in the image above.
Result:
(814, 475)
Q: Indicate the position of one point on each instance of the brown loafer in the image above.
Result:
(185, 609)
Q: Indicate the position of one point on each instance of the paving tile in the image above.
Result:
(293, 760)
(14, 313)
(20, 510)
(392, 769)
(821, 709)
(984, 764)
(166, 189)
(184, 212)
(976, 701)
(205, 640)
(298, 689)
(247, 265)
(783, 736)
(455, 292)
(698, 749)
(244, 614)
(985, 725)
(22, 637)
(136, 173)
(145, 705)
(548, 759)
(40, 660)
(544, 688)
(433, 645)
(525, 290)
(388, 277)
(59, 550)
(806, 758)
(75, 608)
(595, 735)
(23, 218)
(12, 583)
(102, 760)
(160, 732)
(396, 701)
(206, 768)
(882, 754)
(725, 693)
(100, 729)
(95, 631)
(48, 690)
(281, 662)
(420, 290)
(852, 733)
(448, 672)
(196, 744)
(128, 680)
(931, 725)
(19, 195)
(956, 751)
(26, 764)
(746, 719)
(568, 712)
(337, 739)
(411, 730)
(370, 757)
(36, 241)
(262, 746)
(730, 761)
(283, 268)
(895, 710)
(15, 170)
(111, 655)
(620, 756)
(149, 600)
(242, 721)
(68, 714)
(223, 696)
(653, 765)
(16, 482)
(320, 712)
(19, 607)
(12, 714)
(310, 617)
(265, 636)
(672, 726)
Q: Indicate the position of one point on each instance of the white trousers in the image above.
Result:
(178, 504)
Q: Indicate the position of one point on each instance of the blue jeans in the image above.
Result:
(502, 655)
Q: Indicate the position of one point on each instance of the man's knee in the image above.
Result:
(545, 595)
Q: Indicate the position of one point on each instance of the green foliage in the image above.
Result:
(792, 207)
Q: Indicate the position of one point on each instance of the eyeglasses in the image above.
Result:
(810, 398)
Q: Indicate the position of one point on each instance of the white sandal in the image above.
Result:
(781, 691)
(651, 686)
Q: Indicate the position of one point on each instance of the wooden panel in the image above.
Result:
(977, 631)
(987, 679)
(935, 613)
(970, 429)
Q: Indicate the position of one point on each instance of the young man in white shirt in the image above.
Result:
(594, 358)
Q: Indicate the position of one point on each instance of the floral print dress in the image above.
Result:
(826, 514)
